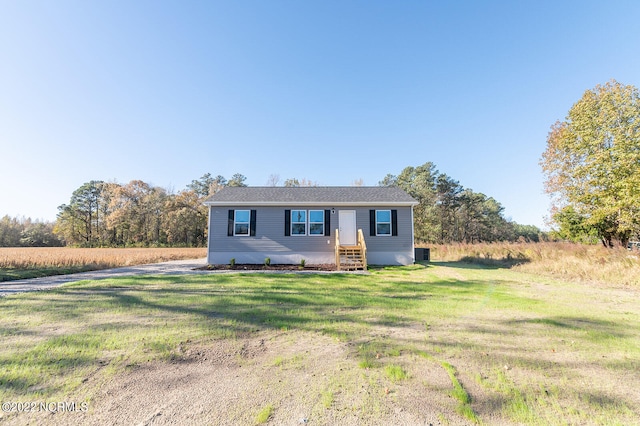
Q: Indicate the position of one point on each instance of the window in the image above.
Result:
(316, 222)
(303, 222)
(242, 221)
(383, 222)
(298, 222)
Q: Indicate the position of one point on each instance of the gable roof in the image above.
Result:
(311, 195)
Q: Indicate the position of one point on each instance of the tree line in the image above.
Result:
(447, 212)
(24, 232)
(108, 214)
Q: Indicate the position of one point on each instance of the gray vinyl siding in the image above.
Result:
(269, 233)
(388, 249)
(387, 243)
(270, 240)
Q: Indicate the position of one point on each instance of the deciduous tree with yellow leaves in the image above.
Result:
(592, 163)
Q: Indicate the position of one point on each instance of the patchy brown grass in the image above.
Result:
(587, 263)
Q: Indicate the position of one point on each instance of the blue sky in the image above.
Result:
(330, 91)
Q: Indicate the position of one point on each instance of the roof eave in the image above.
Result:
(311, 203)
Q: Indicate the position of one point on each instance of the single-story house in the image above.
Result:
(322, 225)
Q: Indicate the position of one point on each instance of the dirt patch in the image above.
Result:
(307, 378)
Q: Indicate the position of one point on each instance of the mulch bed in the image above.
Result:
(262, 267)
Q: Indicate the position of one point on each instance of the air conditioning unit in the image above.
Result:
(422, 254)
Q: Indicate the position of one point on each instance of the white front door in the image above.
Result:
(347, 227)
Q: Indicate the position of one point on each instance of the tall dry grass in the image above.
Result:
(91, 258)
(589, 263)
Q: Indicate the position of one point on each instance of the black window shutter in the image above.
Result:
(394, 223)
(230, 224)
(372, 223)
(252, 224)
(327, 223)
(287, 223)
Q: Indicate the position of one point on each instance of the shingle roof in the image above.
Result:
(334, 195)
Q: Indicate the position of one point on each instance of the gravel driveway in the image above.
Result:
(174, 267)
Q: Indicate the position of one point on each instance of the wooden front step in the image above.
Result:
(350, 258)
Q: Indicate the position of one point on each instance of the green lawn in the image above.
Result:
(523, 348)
(11, 274)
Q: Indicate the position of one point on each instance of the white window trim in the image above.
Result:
(306, 219)
(390, 224)
(236, 222)
(307, 223)
(321, 223)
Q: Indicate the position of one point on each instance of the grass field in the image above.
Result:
(19, 263)
(576, 262)
(466, 343)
